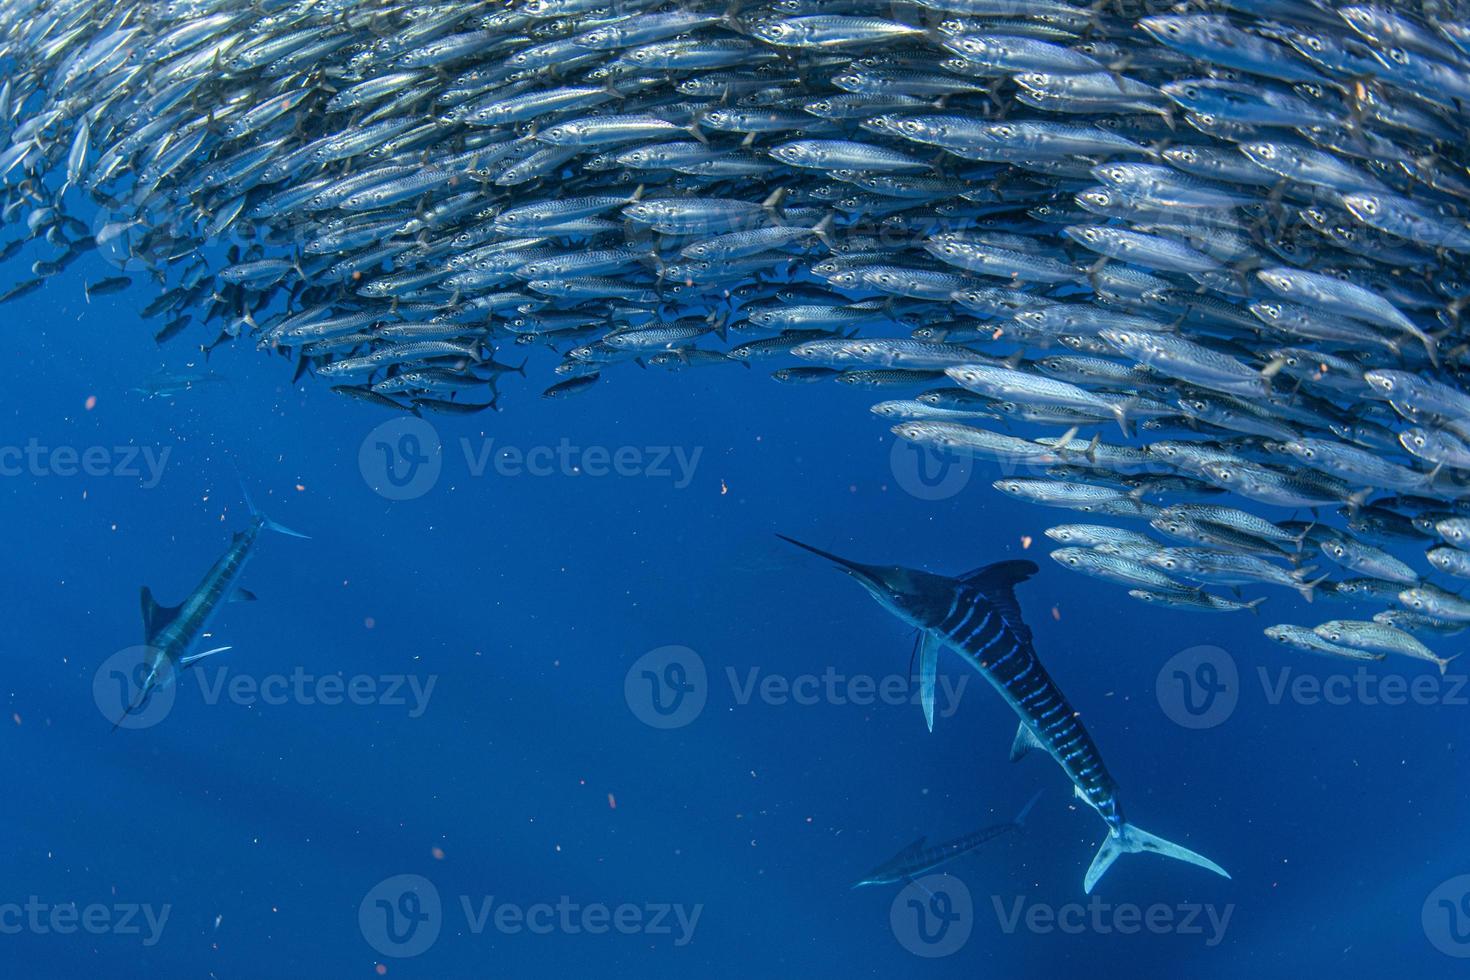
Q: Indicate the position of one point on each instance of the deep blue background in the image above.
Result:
(528, 599)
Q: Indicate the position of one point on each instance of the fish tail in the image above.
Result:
(1121, 410)
(266, 521)
(823, 229)
(1307, 589)
(1128, 839)
(1431, 346)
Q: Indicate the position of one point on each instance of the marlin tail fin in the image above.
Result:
(266, 521)
(1131, 840)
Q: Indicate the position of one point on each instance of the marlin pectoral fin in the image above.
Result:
(929, 644)
(910, 880)
(189, 661)
(1025, 741)
(243, 595)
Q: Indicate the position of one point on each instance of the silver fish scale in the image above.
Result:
(1159, 221)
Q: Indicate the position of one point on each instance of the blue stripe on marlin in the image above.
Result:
(978, 617)
(170, 632)
(916, 859)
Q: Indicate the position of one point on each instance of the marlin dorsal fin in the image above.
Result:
(1001, 575)
(997, 584)
(1026, 740)
(916, 845)
(156, 617)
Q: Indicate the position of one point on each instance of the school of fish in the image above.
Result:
(1197, 268)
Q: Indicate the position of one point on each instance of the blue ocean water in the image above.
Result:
(504, 632)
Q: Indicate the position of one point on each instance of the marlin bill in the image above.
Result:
(977, 616)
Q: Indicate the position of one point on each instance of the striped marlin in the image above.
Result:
(978, 617)
(171, 632)
(916, 859)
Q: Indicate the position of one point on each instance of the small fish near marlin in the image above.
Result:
(171, 632)
(978, 617)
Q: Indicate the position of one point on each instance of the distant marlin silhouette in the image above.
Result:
(977, 616)
(916, 859)
(170, 632)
